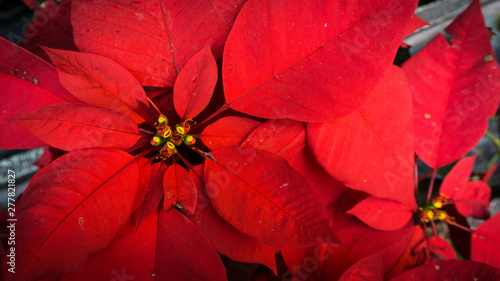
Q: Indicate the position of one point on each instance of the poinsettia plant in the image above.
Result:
(186, 140)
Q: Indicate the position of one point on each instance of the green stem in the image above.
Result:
(493, 160)
(493, 139)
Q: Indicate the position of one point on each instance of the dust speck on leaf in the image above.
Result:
(81, 223)
(488, 58)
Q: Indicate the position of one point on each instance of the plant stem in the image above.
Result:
(426, 174)
(154, 105)
(493, 160)
(493, 139)
(433, 225)
(459, 226)
(431, 185)
(209, 118)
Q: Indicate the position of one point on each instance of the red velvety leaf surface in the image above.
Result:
(382, 214)
(283, 137)
(180, 190)
(154, 193)
(25, 65)
(300, 59)
(195, 84)
(367, 269)
(114, 28)
(225, 238)
(227, 131)
(27, 83)
(459, 175)
(50, 27)
(455, 89)
(470, 198)
(287, 138)
(359, 241)
(183, 252)
(278, 208)
(130, 256)
(485, 242)
(473, 199)
(380, 136)
(72, 209)
(457, 270)
(69, 126)
(144, 165)
(99, 81)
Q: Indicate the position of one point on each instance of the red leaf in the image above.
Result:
(50, 27)
(367, 269)
(99, 81)
(382, 214)
(130, 256)
(300, 59)
(459, 175)
(456, 270)
(154, 193)
(455, 89)
(27, 83)
(195, 85)
(183, 252)
(225, 238)
(113, 28)
(470, 198)
(283, 137)
(144, 165)
(382, 145)
(72, 209)
(440, 249)
(278, 207)
(26, 66)
(227, 131)
(473, 199)
(70, 126)
(180, 190)
(485, 244)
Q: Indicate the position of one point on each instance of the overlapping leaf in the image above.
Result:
(301, 59)
(152, 39)
(195, 85)
(130, 256)
(154, 193)
(69, 126)
(227, 131)
(225, 238)
(278, 207)
(455, 89)
(372, 150)
(382, 214)
(470, 198)
(367, 269)
(27, 83)
(49, 27)
(457, 270)
(183, 252)
(80, 201)
(99, 81)
(287, 138)
(179, 189)
(485, 242)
